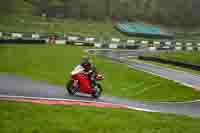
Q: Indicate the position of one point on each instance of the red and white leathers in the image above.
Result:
(81, 74)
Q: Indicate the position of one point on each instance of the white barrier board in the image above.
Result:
(72, 38)
(189, 48)
(17, 35)
(156, 42)
(60, 41)
(168, 43)
(90, 39)
(98, 45)
(130, 41)
(178, 48)
(152, 48)
(144, 42)
(112, 45)
(178, 43)
(35, 36)
(188, 44)
(115, 40)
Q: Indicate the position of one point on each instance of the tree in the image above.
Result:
(6, 7)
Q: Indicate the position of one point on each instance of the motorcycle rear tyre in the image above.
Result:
(70, 88)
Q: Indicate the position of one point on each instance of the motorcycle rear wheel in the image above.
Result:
(70, 88)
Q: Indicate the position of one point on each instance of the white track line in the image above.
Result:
(177, 81)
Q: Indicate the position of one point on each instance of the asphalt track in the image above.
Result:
(11, 85)
(185, 78)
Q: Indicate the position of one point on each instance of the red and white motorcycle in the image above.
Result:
(84, 82)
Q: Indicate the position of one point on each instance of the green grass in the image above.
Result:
(183, 56)
(175, 67)
(54, 64)
(33, 118)
(167, 65)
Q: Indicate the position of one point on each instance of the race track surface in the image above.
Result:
(11, 85)
(185, 78)
(20, 86)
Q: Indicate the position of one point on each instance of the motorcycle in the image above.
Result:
(79, 82)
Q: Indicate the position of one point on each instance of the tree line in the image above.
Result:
(169, 12)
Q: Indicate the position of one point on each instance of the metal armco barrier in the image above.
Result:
(20, 41)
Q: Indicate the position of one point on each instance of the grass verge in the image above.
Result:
(33, 118)
(55, 63)
(183, 56)
(26, 23)
(167, 65)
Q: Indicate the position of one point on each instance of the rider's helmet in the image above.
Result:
(85, 62)
(84, 59)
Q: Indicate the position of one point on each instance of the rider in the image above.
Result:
(86, 64)
(84, 67)
(83, 71)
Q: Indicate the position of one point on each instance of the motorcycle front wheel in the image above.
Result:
(98, 91)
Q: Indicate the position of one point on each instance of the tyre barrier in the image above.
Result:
(173, 62)
(21, 41)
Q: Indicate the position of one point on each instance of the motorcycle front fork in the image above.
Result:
(93, 84)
